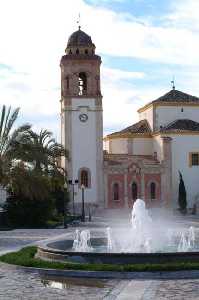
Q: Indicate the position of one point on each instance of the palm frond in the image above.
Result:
(8, 124)
(3, 111)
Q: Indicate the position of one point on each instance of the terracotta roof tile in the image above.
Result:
(176, 96)
(140, 127)
(181, 125)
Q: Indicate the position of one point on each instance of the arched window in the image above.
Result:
(70, 52)
(134, 191)
(77, 51)
(116, 191)
(84, 178)
(86, 51)
(82, 83)
(152, 191)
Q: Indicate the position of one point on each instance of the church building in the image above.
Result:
(140, 161)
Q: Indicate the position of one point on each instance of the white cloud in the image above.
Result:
(34, 35)
(117, 74)
(185, 14)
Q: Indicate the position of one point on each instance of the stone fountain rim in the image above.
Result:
(48, 249)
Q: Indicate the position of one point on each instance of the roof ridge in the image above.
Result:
(175, 94)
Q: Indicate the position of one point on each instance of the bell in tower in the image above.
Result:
(80, 67)
(81, 117)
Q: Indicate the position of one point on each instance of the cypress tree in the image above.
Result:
(182, 195)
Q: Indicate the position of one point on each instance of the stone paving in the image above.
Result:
(160, 290)
(18, 284)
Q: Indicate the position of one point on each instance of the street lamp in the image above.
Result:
(64, 214)
(83, 210)
(71, 182)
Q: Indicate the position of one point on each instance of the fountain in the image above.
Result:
(82, 241)
(143, 241)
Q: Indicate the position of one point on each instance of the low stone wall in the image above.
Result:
(57, 254)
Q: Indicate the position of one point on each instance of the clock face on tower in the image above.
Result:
(83, 117)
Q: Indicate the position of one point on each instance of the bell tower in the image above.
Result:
(81, 117)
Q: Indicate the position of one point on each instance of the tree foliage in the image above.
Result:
(182, 195)
(29, 169)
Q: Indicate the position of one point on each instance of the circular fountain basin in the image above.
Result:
(145, 241)
(62, 251)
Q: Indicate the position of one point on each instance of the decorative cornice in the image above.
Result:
(173, 103)
(157, 133)
(188, 132)
(127, 135)
(142, 109)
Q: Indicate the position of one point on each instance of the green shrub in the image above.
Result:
(26, 257)
(28, 212)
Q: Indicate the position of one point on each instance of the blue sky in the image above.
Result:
(137, 8)
(143, 44)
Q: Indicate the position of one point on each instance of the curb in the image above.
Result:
(156, 275)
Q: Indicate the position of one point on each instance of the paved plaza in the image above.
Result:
(20, 284)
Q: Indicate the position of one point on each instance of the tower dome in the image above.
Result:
(80, 42)
(79, 38)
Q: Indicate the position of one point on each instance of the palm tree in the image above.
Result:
(45, 152)
(12, 142)
(28, 165)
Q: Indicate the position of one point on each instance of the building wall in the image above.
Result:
(157, 147)
(106, 145)
(148, 179)
(181, 146)
(148, 115)
(131, 178)
(125, 181)
(116, 146)
(142, 146)
(167, 114)
(116, 178)
(133, 146)
(84, 152)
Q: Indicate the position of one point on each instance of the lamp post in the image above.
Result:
(71, 182)
(83, 210)
(64, 214)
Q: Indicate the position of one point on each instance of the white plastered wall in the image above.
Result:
(118, 145)
(148, 115)
(84, 152)
(157, 147)
(142, 146)
(106, 145)
(182, 145)
(167, 114)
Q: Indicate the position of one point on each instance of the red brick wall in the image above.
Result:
(149, 178)
(116, 178)
(119, 178)
(130, 179)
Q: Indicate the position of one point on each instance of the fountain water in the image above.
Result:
(187, 242)
(143, 236)
(145, 240)
(109, 240)
(82, 241)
